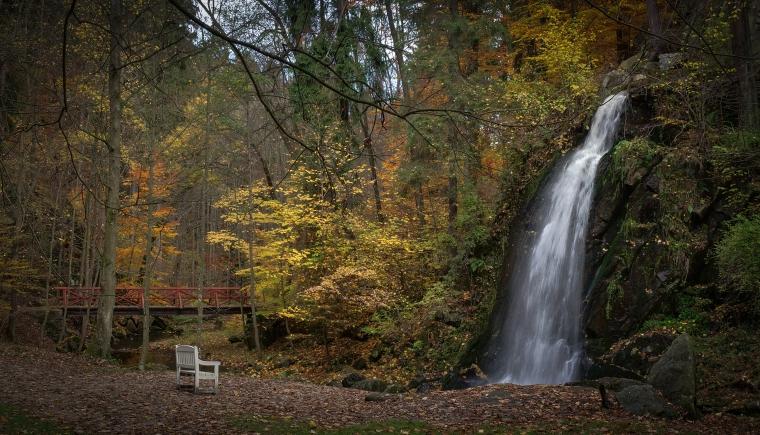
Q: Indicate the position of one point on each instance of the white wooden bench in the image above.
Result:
(189, 363)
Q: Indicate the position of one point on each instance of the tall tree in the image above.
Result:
(655, 27)
(113, 183)
(744, 33)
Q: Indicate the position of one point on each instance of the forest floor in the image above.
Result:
(79, 394)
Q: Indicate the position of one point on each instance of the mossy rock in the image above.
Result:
(675, 374)
(395, 389)
(375, 385)
(352, 379)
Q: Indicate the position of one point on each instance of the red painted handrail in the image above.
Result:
(159, 297)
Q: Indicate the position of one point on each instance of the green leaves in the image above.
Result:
(738, 259)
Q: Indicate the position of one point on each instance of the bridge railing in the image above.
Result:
(179, 297)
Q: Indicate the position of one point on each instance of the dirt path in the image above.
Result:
(92, 397)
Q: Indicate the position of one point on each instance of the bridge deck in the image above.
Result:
(163, 301)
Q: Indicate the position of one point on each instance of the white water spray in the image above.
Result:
(541, 338)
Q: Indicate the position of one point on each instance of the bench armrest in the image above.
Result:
(209, 363)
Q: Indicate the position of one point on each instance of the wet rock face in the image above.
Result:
(640, 352)
(649, 229)
(675, 374)
(619, 255)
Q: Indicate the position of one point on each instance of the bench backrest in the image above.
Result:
(187, 356)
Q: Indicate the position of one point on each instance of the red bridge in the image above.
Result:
(162, 301)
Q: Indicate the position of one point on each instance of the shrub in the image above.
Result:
(738, 258)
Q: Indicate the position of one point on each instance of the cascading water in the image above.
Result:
(540, 340)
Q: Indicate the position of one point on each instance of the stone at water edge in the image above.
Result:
(675, 374)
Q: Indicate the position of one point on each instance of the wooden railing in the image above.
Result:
(176, 297)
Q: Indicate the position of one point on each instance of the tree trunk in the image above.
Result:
(85, 328)
(746, 70)
(69, 275)
(326, 340)
(415, 152)
(454, 76)
(398, 50)
(110, 231)
(204, 200)
(655, 26)
(267, 172)
(11, 328)
(372, 168)
(49, 276)
(201, 263)
(252, 291)
(148, 270)
(451, 192)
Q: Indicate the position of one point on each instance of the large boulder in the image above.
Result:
(675, 374)
(641, 400)
(618, 384)
(471, 376)
(639, 352)
(605, 370)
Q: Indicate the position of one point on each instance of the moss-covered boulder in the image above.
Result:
(675, 374)
(641, 400)
(375, 385)
(639, 352)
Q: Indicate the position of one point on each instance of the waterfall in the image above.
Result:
(541, 340)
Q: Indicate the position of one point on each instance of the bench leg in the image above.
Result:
(216, 379)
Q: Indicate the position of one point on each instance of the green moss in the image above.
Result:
(287, 426)
(532, 187)
(736, 164)
(692, 316)
(577, 426)
(13, 420)
(632, 228)
(615, 293)
(630, 155)
(738, 259)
